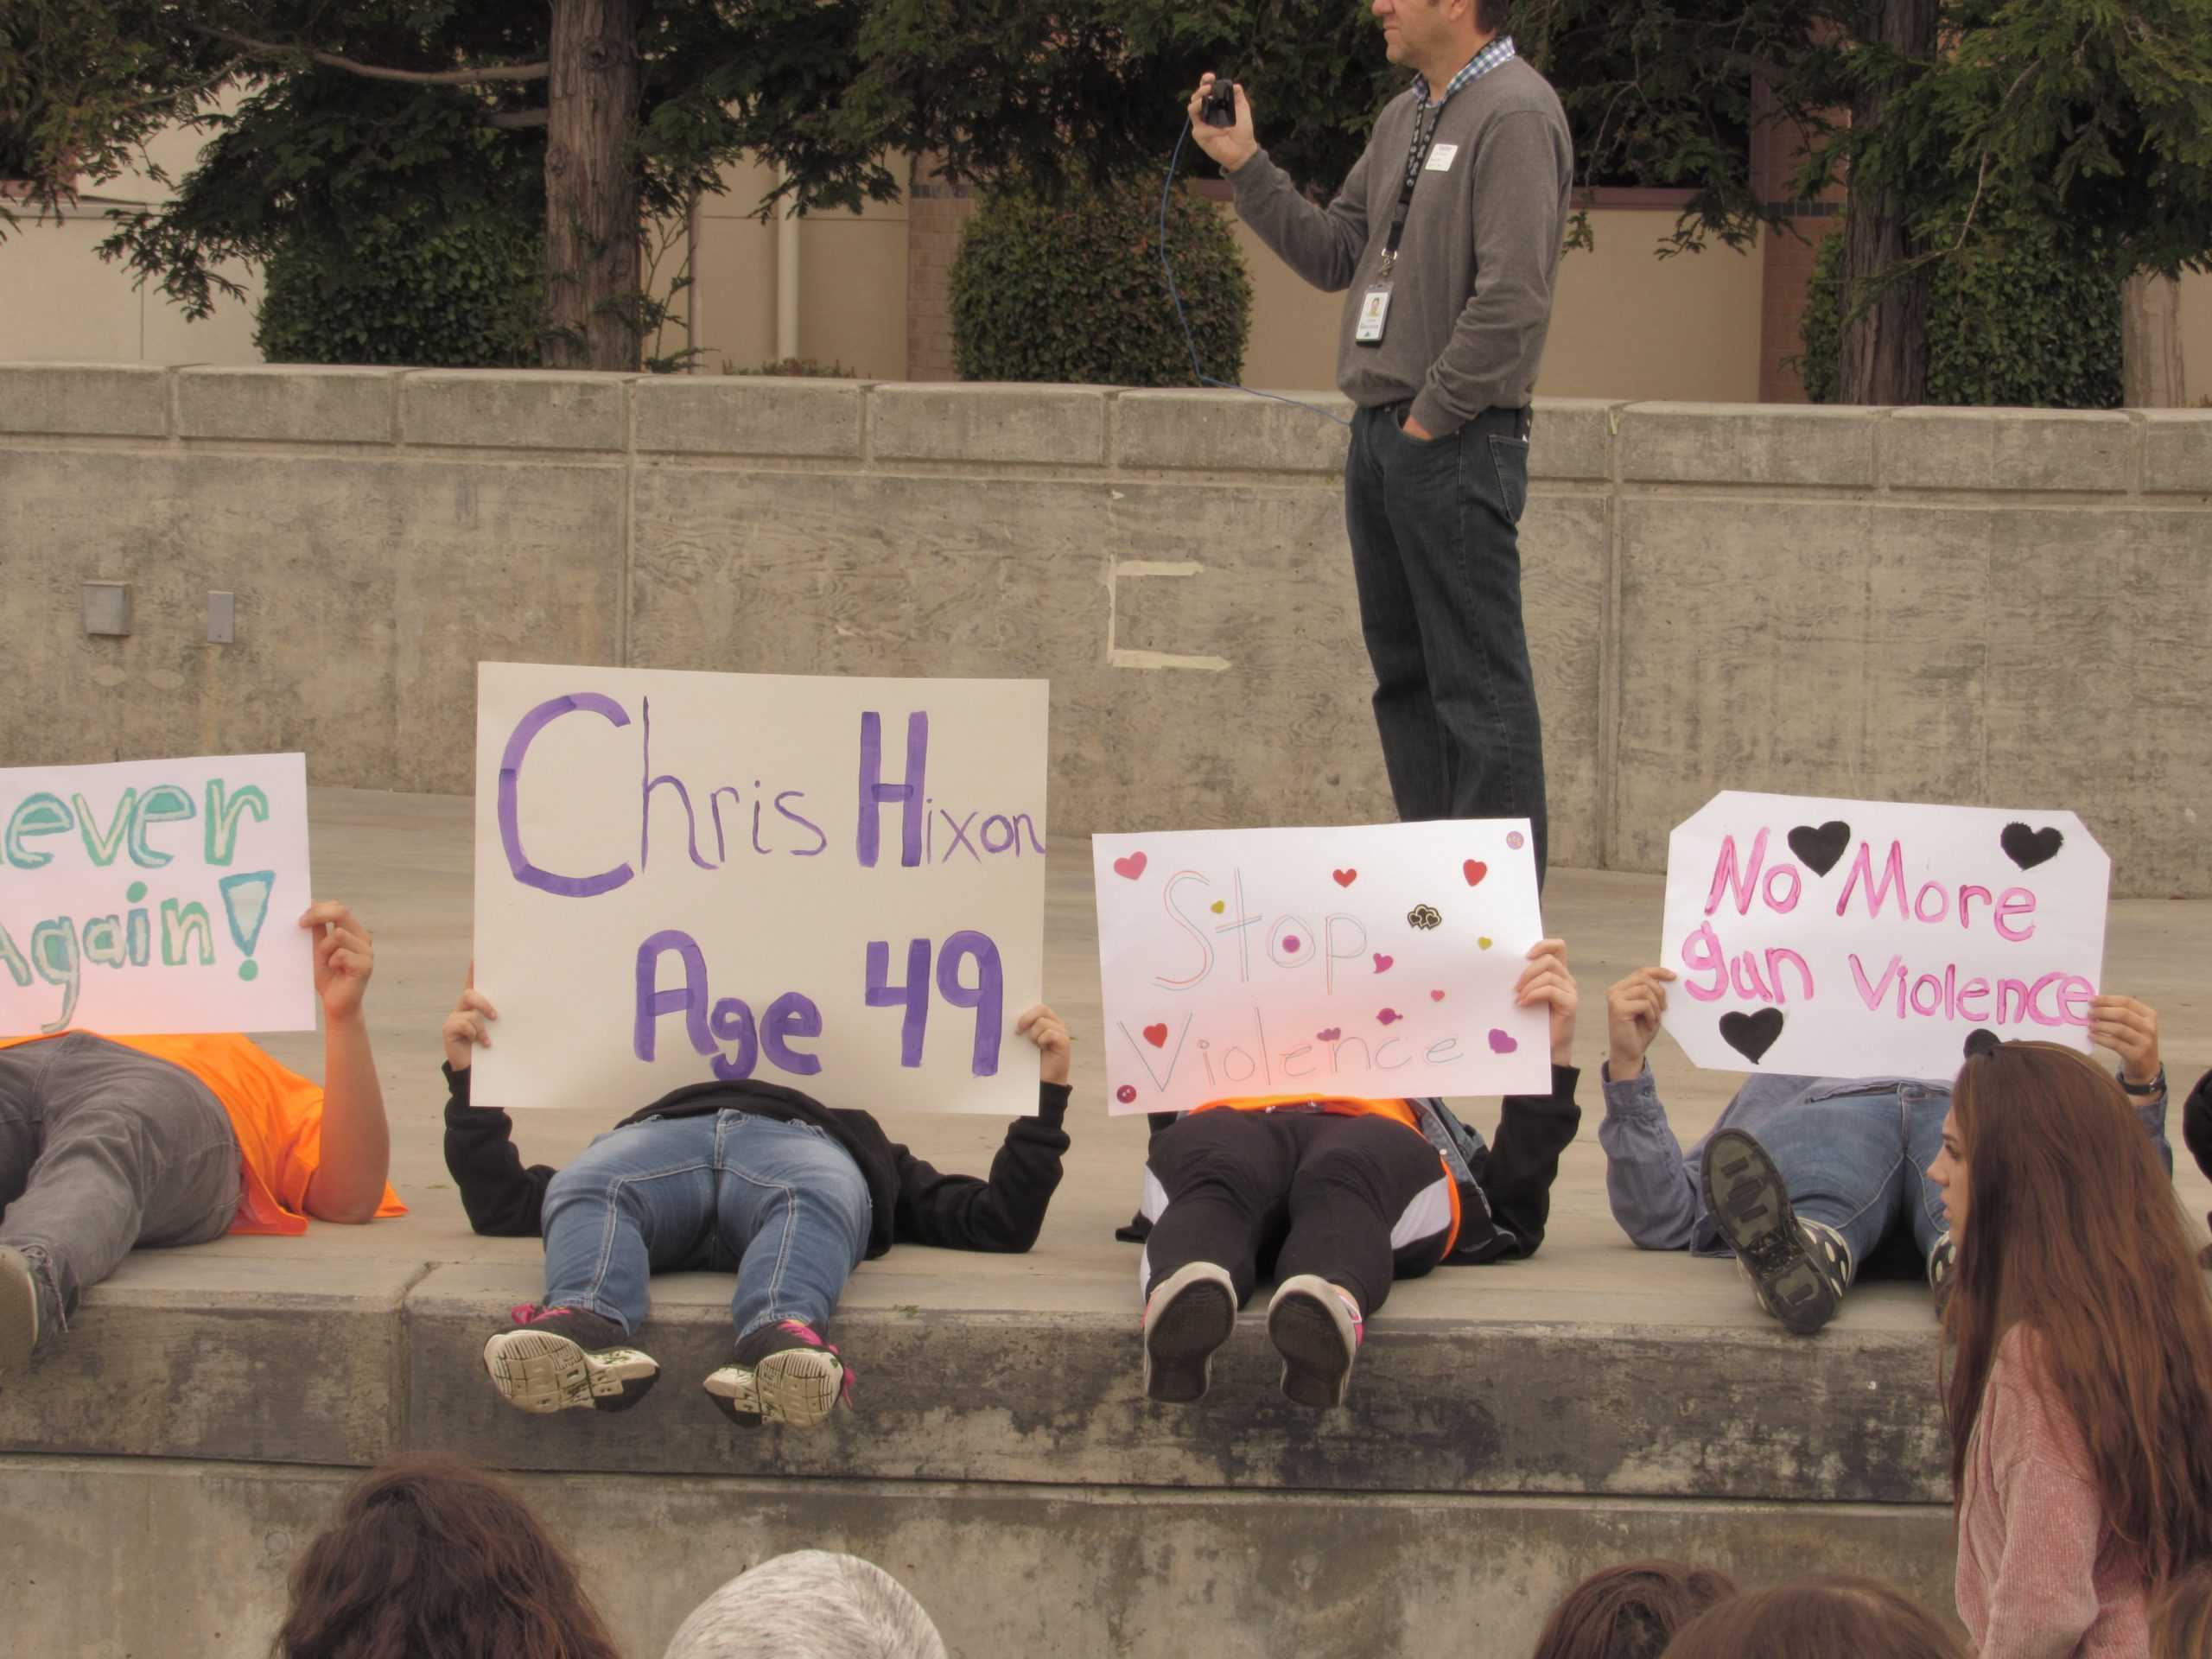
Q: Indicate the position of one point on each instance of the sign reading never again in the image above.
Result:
(156, 896)
(1374, 961)
(1867, 938)
(833, 884)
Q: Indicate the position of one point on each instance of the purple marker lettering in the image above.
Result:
(645, 802)
(732, 1022)
(690, 998)
(987, 999)
(821, 841)
(875, 794)
(791, 1015)
(526, 730)
(913, 996)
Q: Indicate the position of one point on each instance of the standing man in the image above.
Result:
(1448, 233)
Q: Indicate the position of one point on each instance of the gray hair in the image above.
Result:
(810, 1605)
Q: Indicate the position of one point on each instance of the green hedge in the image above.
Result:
(466, 295)
(2028, 328)
(1072, 290)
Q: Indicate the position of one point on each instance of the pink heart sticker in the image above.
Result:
(1502, 1042)
(1130, 867)
(1383, 963)
(1389, 1017)
(1156, 1035)
(1436, 996)
(1328, 1035)
(1345, 878)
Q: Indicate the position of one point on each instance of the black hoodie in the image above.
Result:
(910, 1202)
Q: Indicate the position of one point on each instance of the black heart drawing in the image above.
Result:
(1981, 1040)
(1751, 1035)
(1818, 849)
(2029, 847)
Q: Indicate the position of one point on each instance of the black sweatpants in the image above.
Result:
(1358, 1200)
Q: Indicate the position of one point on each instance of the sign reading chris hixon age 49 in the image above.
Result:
(1377, 961)
(1864, 938)
(155, 895)
(833, 884)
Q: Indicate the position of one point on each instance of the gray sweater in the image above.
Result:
(1472, 298)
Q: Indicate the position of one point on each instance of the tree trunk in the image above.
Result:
(1882, 354)
(591, 187)
(2150, 342)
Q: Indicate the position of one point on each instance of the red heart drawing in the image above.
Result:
(1382, 962)
(1502, 1042)
(1474, 869)
(1328, 1035)
(1436, 996)
(1345, 878)
(1129, 867)
(1156, 1035)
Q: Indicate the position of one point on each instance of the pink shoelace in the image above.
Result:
(812, 1338)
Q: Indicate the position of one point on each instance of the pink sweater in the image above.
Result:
(2040, 1574)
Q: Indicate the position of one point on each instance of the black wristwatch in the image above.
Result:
(2145, 1090)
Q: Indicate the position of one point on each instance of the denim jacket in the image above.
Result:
(1653, 1184)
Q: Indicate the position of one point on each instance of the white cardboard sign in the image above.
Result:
(1867, 938)
(837, 885)
(156, 896)
(1374, 961)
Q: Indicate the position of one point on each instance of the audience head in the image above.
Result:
(1817, 1618)
(437, 1561)
(820, 1605)
(1630, 1611)
(2067, 1225)
(2181, 1625)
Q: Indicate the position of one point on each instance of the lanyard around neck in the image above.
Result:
(1425, 121)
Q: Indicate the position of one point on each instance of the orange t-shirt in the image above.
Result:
(276, 1114)
(1351, 1106)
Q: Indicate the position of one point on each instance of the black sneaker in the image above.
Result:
(556, 1358)
(1798, 1269)
(783, 1373)
(1943, 1271)
(1318, 1332)
(18, 1309)
(1186, 1319)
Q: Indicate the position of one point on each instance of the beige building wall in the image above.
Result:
(2197, 339)
(1624, 324)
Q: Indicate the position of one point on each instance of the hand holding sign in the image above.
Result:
(1865, 938)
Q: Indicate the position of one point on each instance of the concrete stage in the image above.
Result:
(1511, 1428)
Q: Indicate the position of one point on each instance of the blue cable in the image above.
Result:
(1191, 340)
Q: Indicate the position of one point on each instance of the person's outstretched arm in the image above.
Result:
(503, 1199)
(1323, 245)
(348, 1183)
(1647, 1180)
(1006, 1213)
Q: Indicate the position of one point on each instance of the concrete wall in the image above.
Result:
(1955, 606)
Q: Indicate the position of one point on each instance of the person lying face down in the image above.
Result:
(1803, 1177)
(1336, 1198)
(109, 1144)
(747, 1176)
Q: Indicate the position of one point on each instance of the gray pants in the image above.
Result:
(102, 1149)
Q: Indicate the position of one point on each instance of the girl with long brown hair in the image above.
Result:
(2080, 1391)
(437, 1561)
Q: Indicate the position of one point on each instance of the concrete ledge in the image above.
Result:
(1444, 1405)
(1079, 1573)
(1572, 438)
(750, 415)
(1730, 443)
(287, 405)
(1228, 431)
(1062, 425)
(517, 410)
(2029, 449)
(122, 400)
(2177, 452)
(186, 1355)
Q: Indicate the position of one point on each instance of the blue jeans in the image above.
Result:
(781, 1203)
(1436, 558)
(1860, 1164)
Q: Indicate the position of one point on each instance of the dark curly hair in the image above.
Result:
(433, 1560)
(1630, 1611)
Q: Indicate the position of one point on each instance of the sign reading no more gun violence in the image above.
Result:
(156, 896)
(833, 884)
(1868, 939)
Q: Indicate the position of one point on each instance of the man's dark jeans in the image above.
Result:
(1435, 552)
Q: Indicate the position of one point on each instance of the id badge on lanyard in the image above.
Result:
(1375, 303)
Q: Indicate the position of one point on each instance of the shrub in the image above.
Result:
(467, 295)
(2028, 327)
(1071, 288)
(809, 368)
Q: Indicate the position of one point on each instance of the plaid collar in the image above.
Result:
(1498, 52)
